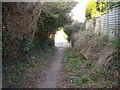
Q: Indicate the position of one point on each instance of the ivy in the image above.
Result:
(26, 44)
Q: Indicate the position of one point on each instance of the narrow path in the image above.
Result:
(50, 80)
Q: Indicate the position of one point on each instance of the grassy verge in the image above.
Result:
(77, 72)
(25, 73)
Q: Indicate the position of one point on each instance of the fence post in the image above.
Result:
(107, 20)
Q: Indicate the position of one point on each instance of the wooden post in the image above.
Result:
(107, 21)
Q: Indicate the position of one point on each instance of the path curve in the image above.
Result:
(51, 78)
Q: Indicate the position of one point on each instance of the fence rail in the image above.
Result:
(107, 24)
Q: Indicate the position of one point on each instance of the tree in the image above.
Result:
(25, 24)
(95, 8)
(53, 15)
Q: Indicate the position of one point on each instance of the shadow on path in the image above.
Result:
(50, 80)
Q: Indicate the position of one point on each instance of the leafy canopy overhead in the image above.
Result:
(53, 16)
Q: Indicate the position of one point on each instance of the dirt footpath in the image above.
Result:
(51, 77)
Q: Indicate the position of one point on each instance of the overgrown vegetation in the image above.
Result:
(28, 43)
(49, 21)
(23, 74)
(79, 72)
(95, 8)
(17, 43)
(71, 29)
(92, 62)
(28, 37)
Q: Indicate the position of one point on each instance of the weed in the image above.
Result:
(74, 65)
(72, 55)
(114, 43)
(95, 78)
(81, 80)
(68, 50)
(84, 80)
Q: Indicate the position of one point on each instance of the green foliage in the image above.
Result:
(52, 19)
(72, 55)
(84, 80)
(95, 78)
(101, 6)
(7, 51)
(26, 44)
(95, 8)
(90, 9)
(67, 50)
(74, 65)
(71, 29)
(17, 44)
(48, 22)
(15, 71)
(111, 4)
(114, 43)
(79, 81)
(80, 72)
(19, 69)
(68, 30)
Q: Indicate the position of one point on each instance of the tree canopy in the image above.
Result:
(53, 15)
(27, 25)
(95, 8)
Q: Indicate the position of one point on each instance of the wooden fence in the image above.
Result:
(107, 24)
